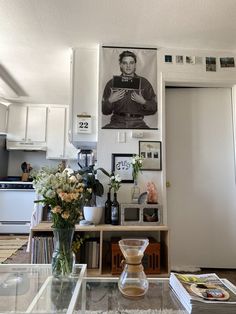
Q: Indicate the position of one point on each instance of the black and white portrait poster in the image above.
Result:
(128, 88)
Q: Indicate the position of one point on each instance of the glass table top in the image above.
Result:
(101, 295)
(30, 288)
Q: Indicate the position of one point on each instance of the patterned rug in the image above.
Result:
(165, 311)
(10, 244)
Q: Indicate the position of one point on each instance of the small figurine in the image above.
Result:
(152, 196)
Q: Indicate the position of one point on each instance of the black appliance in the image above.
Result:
(3, 156)
(14, 183)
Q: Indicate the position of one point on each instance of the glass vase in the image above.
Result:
(135, 192)
(63, 258)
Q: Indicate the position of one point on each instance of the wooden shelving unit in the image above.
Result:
(106, 232)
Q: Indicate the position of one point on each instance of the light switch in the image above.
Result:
(137, 134)
(121, 137)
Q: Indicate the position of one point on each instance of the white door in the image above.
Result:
(201, 199)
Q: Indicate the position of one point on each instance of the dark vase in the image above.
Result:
(115, 211)
(63, 258)
(108, 209)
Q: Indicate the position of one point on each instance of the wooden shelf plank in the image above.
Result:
(46, 227)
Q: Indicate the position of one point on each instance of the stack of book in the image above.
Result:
(42, 248)
(89, 253)
(205, 293)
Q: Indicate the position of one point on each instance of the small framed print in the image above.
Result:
(210, 64)
(168, 59)
(227, 62)
(190, 60)
(152, 155)
(179, 59)
(122, 165)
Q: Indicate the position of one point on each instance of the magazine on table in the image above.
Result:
(206, 292)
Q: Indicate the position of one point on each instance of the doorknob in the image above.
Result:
(168, 184)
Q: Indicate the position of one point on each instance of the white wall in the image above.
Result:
(168, 74)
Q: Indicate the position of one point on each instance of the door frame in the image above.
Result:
(171, 79)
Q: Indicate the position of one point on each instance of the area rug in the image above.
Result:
(165, 311)
(10, 244)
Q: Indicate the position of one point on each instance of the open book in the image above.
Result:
(205, 293)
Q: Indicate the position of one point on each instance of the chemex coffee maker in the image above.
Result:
(86, 158)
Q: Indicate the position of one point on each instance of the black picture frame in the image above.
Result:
(121, 164)
(151, 151)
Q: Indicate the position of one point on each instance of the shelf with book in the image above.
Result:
(96, 250)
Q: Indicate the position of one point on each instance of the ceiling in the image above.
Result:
(36, 35)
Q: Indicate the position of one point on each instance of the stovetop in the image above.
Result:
(14, 183)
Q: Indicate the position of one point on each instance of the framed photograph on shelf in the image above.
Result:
(121, 164)
(151, 153)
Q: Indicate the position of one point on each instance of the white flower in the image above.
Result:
(73, 179)
(69, 171)
(117, 178)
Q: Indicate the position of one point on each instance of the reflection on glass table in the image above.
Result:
(101, 295)
(30, 288)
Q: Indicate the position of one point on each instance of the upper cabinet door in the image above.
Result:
(56, 132)
(16, 127)
(3, 116)
(84, 95)
(70, 152)
(36, 124)
(58, 146)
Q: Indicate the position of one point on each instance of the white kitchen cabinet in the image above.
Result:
(3, 117)
(58, 146)
(84, 95)
(26, 124)
(36, 124)
(16, 127)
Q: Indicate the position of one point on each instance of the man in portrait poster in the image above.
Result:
(128, 83)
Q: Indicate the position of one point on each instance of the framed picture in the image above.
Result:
(151, 153)
(211, 64)
(227, 62)
(128, 79)
(121, 164)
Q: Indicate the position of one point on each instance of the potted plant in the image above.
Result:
(91, 211)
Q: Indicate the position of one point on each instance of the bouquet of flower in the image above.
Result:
(137, 163)
(115, 182)
(64, 192)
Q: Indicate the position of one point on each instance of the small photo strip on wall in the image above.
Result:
(168, 59)
(227, 62)
(198, 60)
(210, 64)
(190, 60)
(179, 59)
